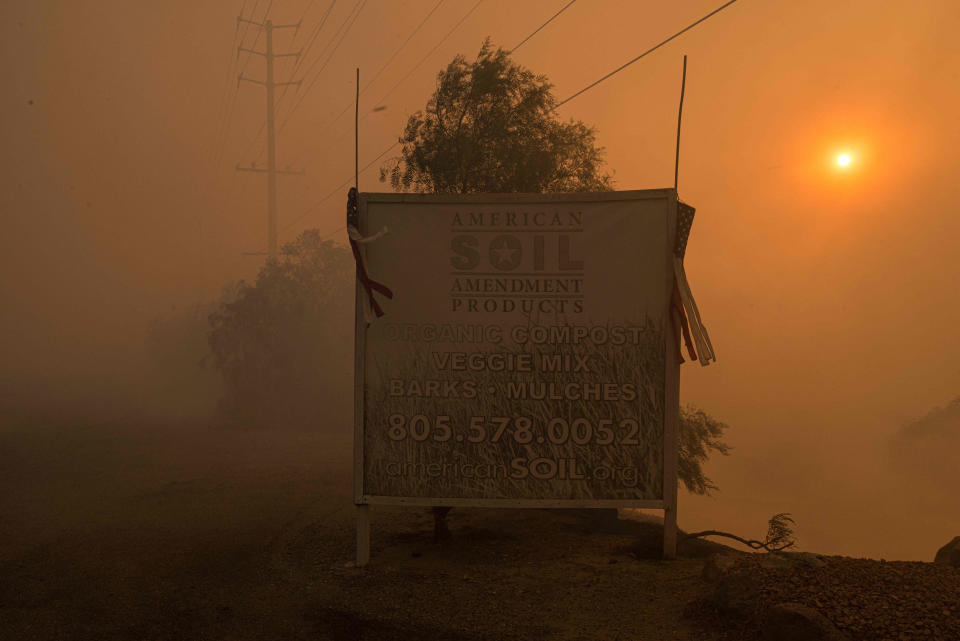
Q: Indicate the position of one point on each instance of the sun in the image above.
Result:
(843, 160)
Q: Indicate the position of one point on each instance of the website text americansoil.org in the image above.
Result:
(519, 468)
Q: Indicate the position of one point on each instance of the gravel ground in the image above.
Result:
(113, 535)
(866, 599)
(507, 575)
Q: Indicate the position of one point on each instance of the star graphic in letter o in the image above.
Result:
(505, 252)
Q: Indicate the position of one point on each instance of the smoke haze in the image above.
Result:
(830, 297)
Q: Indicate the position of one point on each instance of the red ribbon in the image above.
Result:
(369, 285)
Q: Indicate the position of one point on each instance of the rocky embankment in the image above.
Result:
(806, 596)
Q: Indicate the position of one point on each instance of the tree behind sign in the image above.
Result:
(490, 128)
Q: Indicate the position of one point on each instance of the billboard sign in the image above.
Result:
(526, 356)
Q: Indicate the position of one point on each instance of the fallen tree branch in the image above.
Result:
(779, 535)
(751, 543)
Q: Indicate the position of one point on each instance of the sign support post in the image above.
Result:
(363, 535)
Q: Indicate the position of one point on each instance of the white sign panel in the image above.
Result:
(525, 357)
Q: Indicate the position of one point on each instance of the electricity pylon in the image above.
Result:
(269, 84)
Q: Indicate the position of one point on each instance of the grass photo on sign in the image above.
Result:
(632, 471)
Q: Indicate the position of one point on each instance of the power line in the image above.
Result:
(230, 95)
(394, 55)
(312, 207)
(346, 182)
(313, 38)
(306, 10)
(567, 6)
(351, 19)
(233, 101)
(415, 67)
(429, 53)
(585, 89)
(225, 97)
(405, 42)
(650, 50)
(256, 39)
(414, 32)
(304, 51)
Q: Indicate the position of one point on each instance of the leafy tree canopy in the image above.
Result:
(490, 128)
(700, 434)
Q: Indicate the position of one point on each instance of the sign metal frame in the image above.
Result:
(668, 504)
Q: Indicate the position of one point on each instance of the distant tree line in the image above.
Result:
(284, 344)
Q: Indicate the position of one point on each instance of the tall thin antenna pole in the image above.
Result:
(683, 86)
(356, 137)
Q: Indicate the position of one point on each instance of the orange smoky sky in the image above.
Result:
(830, 294)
